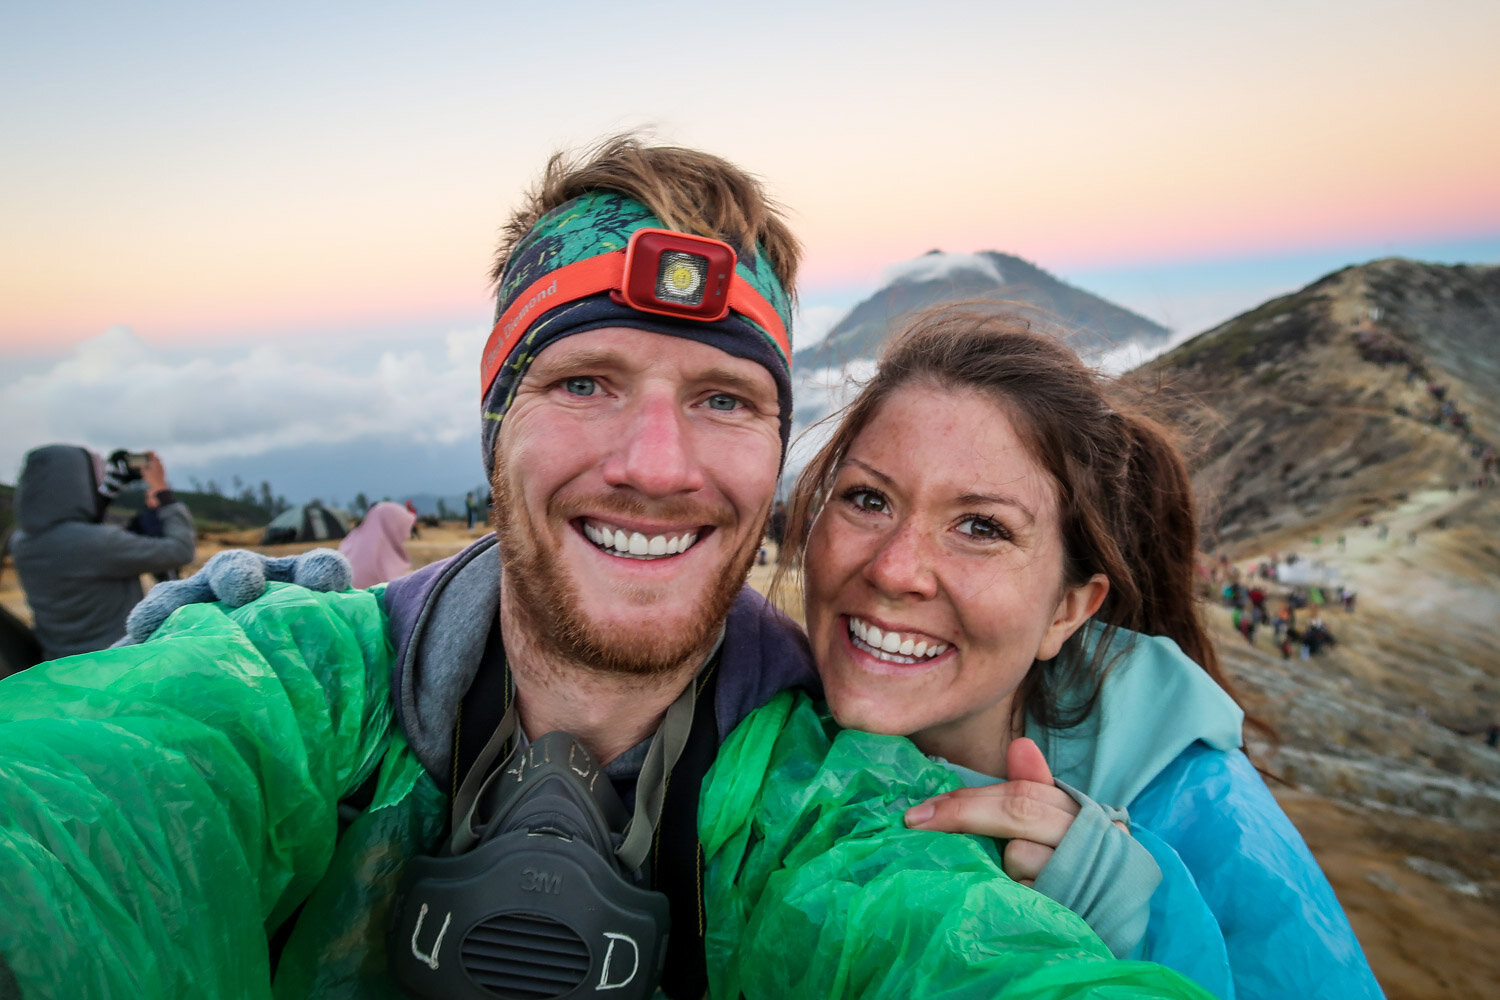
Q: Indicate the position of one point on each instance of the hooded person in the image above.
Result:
(82, 575)
(376, 549)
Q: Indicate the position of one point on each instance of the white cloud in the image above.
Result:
(115, 390)
(940, 265)
(811, 324)
(818, 394)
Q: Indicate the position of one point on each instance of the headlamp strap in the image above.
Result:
(650, 790)
(591, 276)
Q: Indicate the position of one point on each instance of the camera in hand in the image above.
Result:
(136, 460)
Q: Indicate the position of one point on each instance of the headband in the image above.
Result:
(604, 260)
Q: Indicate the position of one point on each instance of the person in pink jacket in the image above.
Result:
(377, 548)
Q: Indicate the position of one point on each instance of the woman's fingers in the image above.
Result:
(1024, 762)
(1023, 860)
(1029, 812)
(1015, 809)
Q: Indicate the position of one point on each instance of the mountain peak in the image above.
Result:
(1087, 321)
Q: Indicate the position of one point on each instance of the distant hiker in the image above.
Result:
(776, 526)
(471, 509)
(1492, 737)
(1316, 637)
(1290, 639)
(376, 550)
(1244, 623)
(1257, 597)
(1282, 623)
(413, 509)
(82, 576)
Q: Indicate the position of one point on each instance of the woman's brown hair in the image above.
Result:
(1125, 500)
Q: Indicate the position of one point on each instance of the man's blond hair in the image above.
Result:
(689, 191)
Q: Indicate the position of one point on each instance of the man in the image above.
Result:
(82, 575)
(633, 447)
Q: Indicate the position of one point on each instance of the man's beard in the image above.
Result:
(550, 608)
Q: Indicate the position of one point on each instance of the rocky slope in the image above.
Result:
(1351, 423)
(1335, 401)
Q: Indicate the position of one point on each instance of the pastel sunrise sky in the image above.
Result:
(299, 201)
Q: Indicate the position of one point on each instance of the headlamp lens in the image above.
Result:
(680, 278)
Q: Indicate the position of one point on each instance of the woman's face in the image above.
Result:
(934, 576)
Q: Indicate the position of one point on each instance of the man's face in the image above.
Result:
(632, 478)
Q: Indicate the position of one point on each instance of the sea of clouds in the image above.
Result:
(209, 411)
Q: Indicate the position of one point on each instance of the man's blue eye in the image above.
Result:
(581, 385)
(723, 401)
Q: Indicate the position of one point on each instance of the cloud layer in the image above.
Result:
(115, 390)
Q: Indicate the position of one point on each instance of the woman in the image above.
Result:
(998, 564)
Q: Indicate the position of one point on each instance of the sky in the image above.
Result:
(256, 237)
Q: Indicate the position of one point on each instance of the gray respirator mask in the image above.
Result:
(542, 890)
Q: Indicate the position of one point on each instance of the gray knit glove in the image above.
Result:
(236, 577)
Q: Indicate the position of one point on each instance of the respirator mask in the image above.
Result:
(542, 890)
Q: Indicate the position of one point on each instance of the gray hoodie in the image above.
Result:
(82, 577)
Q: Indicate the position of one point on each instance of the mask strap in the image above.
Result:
(479, 776)
(651, 786)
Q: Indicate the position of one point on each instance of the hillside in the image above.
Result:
(210, 511)
(1343, 399)
(1353, 423)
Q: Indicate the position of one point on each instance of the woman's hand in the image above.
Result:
(1027, 809)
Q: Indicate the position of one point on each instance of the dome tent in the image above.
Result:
(305, 522)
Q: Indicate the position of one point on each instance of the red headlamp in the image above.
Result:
(659, 271)
(675, 274)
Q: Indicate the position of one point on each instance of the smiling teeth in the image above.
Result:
(634, 545)
(893, 647)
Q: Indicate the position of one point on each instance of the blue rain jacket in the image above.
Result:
(1242, 907)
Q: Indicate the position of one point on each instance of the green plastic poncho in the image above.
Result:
(163, 807)
(817, 889)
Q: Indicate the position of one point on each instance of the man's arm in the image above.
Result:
(815, 887)
(162, 804)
